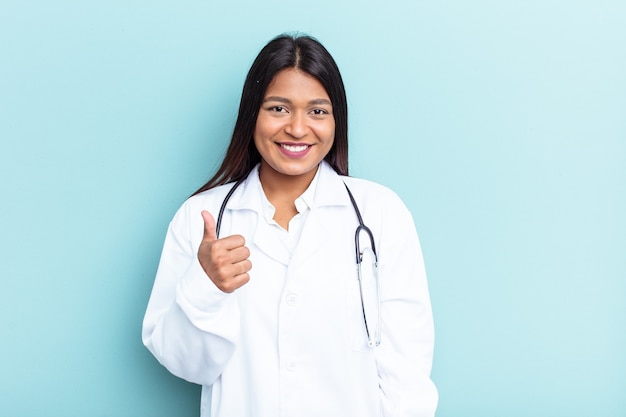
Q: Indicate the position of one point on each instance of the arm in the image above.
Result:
(404, 357)
(190, 325)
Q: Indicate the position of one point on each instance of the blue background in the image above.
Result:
(501, 125)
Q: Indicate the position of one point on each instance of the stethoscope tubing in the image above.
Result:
(372, 340)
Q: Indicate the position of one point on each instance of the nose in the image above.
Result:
(297, 125)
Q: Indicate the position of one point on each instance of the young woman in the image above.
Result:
(285, 287)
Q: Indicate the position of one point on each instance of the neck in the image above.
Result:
(280, 187)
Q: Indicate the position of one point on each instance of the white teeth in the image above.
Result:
(294, 148)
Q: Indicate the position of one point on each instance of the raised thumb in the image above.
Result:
(209, 227)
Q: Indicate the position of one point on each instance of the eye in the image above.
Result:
(277, 109)
(319, 112)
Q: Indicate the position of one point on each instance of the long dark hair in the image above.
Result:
(285, 51)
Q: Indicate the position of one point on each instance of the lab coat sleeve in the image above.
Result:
(404, 357)
(190, 326)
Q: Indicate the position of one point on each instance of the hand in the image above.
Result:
(225, 260)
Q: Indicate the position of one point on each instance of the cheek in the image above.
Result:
(258, 129)
(330, 133)
(265, 128)
(260, 135)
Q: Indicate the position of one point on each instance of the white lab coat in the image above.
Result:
(292, 341)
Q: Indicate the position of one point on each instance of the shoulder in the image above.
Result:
(381, 207)
(383, 211)
(210, 200)
(373, 194)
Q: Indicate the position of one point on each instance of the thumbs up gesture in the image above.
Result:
(225, 260)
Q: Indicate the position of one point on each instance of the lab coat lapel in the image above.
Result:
(330, 192)
(314, 235)
(248, 197)
(267, 241)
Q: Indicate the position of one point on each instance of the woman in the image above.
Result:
(265, 309)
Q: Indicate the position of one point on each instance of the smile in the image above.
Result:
(294, 148)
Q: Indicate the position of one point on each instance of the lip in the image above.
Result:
(294, 150)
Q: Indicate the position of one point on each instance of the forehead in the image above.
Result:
(293, 82)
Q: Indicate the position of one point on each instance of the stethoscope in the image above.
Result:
(373, 337)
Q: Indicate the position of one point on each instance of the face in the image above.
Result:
(295, 128)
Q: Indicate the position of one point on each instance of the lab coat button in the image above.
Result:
(291, 299)
(291, 366)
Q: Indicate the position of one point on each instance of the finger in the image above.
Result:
(209, 227)
(230, 243)
(224, 262)
(237, 282)
(232, 271)
(239, 254)
(242, 267)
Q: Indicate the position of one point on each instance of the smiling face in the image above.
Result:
(295, 128)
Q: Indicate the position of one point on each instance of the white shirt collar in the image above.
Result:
(326, 189)
(302, 203)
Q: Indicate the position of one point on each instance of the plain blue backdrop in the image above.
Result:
(501, 125)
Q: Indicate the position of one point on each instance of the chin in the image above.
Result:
(295, 171)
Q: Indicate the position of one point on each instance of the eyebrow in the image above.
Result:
(317, 101)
